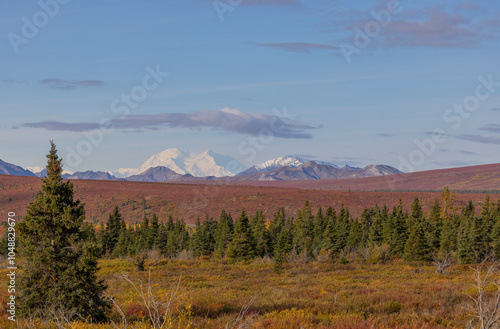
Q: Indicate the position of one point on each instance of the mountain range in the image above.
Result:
(176, 165)
(313, 170)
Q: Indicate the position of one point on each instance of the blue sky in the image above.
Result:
(412, 84)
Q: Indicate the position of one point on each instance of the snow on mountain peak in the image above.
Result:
(207, 163)
(288, 160)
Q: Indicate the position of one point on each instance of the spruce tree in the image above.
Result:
(417, 248)
(60, 265)
(495, 237)
(447, 242)
(154, 228)
(433, 226)
(224, 233)
(355, 235)
(465, 245)
(375, 235)
(112, 231)
(260, 234)
(242, 246)
(304, 227)
(400, 231)
(280, 253)
(319, 230)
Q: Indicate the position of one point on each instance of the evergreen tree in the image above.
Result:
(196, 240)
(280, 252)
(331, 234)
(375, 235)
(112, 231)
(60, 268)
(448, 238)
(399, 232)
(161, 239)
(260, 234)
(154, 228)
(417, 215)
(318, 231)
(304, 226)
(355, 235)
(224, 233)
(465, 244)
(275, 227)
(124, 244)
(366, 222)
(433, 226)
(242, 246)
(142, 242)
(495, 237)
(417, 248)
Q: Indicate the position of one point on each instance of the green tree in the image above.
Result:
(60, 269)
(433, 226)
(280, 253)
(375, 235)
(304, 227)
(448, 239)
(154, 228)
(224, 233)
(465, 244)
(400, 231)
(417, 248)
(242, 246)
(260, 234)
(112, 231)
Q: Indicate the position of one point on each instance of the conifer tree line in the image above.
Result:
(413, 235)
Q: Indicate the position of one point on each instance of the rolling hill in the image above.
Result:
(195, 199)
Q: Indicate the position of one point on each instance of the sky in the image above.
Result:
(411, 84)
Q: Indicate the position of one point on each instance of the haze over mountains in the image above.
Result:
(176, 165)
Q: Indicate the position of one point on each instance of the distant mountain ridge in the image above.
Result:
(92, 175)
(156, 174)
(288, 160)
(11, 169)
(175, 165)
(313, 170)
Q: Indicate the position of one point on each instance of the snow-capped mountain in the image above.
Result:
(285, 161)
(207, 163)
(124, 172)
(313, 170)
(35, 170)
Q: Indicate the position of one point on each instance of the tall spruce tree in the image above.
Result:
(224, 233)
(60, 263)
(112, 231)
(417, 248)
(242, 246)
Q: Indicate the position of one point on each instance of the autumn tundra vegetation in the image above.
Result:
(317, 268)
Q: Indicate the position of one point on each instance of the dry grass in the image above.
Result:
(313, 295)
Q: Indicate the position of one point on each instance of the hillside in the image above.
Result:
(191, 201)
